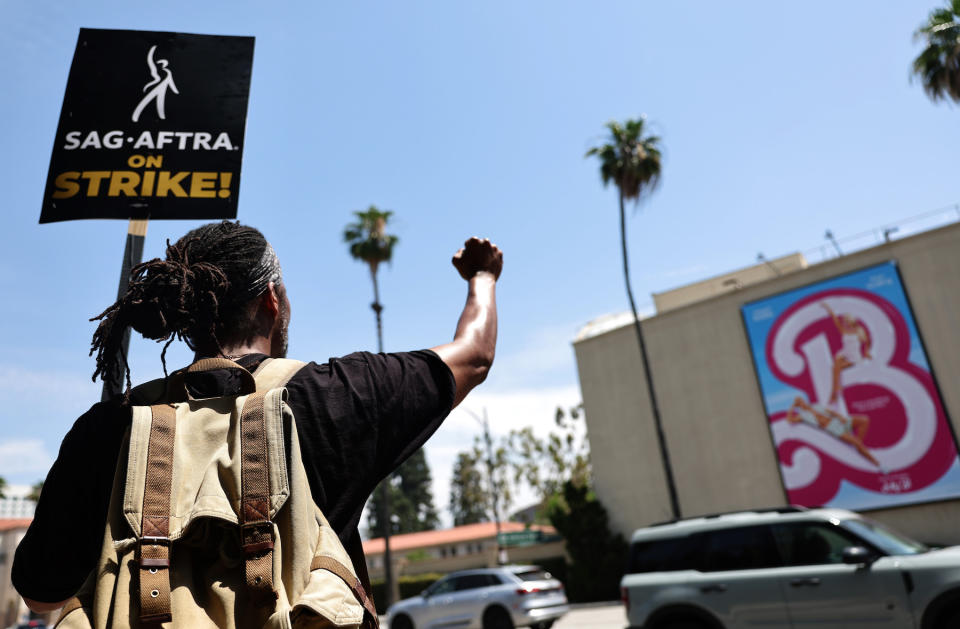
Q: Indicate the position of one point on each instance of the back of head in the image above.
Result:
(200, 294)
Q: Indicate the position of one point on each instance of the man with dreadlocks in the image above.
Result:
(221, 291)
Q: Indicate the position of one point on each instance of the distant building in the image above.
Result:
(729, 355)
(12, 608)
(462, 548)
(17, 507)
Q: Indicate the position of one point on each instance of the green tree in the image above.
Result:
(480, 489)
(546, 464)
(468, 494)
(938, 65)
(631, 161)
(417, 511)
(521, 458)
(596, 555)
(35, 490)
(411, 500)
(3, 487)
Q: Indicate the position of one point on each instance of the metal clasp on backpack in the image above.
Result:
(256, 537)
(153, 562)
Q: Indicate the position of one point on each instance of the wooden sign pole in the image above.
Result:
(132, 256)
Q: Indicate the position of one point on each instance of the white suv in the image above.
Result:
(788, 567)
(485, 598)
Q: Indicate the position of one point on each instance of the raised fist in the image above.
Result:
(478, 254)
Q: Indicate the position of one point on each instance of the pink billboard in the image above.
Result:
(853, 407)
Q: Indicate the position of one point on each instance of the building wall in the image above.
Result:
(714, 421)
(484, 558)
(12, 607)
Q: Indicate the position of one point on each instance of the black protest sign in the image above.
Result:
(152, 127)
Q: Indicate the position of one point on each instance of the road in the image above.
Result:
(593, 616)
(606, 616)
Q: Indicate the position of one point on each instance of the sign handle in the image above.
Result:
(132, 256)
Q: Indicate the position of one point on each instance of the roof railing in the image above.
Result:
(709, 516)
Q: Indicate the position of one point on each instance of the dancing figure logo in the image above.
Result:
(161, 81)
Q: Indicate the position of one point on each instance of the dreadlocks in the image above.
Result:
(197, 294)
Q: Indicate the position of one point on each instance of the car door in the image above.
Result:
(736, 578)
(467, 600)
(824, 592)
(438, 599)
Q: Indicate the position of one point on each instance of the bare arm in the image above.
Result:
(833, 316)
(470, 355)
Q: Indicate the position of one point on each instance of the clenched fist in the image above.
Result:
(478, 254)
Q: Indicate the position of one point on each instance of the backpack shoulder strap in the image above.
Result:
(256, 529)
(154, 551)
(276, 372)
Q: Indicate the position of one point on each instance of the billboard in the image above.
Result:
(152, 127)
(853, 408)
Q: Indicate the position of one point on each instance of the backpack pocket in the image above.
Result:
(326, 602)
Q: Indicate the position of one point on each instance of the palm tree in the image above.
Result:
(938, 66)
(631, 160)
(370, 243)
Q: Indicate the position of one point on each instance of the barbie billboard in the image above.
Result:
(854, 411)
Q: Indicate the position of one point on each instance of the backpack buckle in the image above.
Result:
(158, 557)
(256, 537)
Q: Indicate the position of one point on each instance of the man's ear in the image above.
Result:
(270, 301)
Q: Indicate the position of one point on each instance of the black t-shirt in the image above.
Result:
(358, 417)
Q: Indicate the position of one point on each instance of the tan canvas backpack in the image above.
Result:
(211, 522)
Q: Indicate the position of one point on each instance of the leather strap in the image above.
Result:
(71, 605)
(154, 543)
(177, 392)
(256, 529)
(323, 562)
(274, 373)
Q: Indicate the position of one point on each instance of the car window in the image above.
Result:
(538, 574)
(812, 543)
(493, 579)
(440, 587)
(883, 538)
(471, 582)
(741, 548)
(679, 553)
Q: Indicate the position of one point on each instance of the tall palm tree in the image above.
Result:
(370, 243)
(938, 66)
(631, 161)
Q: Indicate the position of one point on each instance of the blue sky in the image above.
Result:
(778, 121)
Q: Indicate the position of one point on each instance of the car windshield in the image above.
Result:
(883, 538)
(534, 574)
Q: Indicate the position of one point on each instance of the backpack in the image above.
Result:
(211, 521)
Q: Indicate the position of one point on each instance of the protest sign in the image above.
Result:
(152, 127)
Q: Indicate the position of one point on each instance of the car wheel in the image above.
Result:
(949, 620)
(497, 618)
(401, 622)
(681, 623)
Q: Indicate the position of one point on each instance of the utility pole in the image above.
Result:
(494, 499)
